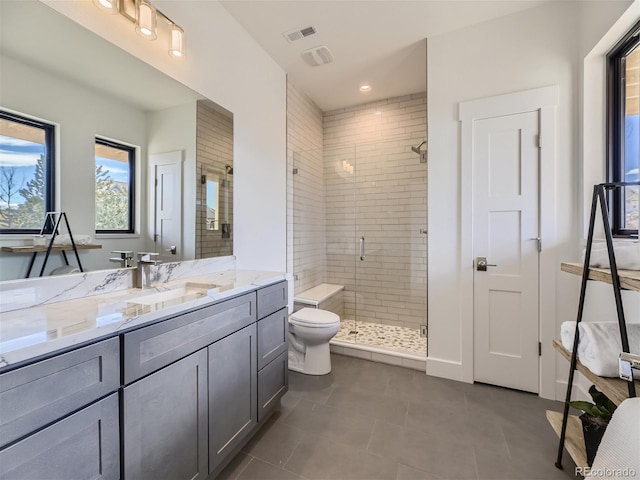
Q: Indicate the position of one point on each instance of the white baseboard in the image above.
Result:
(438, 367)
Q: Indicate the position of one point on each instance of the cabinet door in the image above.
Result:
(165, 422)
(273, 336)
(82, 446)
(232, 393)
(273, 383)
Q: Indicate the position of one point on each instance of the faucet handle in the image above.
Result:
(142, 255)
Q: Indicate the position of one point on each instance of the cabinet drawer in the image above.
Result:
(272, 298)
(81, 446)
(38, 394)
(272, 337)
(273, 383)
(151, 348)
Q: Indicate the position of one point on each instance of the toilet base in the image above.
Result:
(316, 360)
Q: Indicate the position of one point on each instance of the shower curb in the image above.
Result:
(378, 354)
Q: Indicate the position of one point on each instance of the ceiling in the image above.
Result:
(381, 43)
(39, 36)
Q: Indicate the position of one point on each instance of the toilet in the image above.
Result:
(310, 330)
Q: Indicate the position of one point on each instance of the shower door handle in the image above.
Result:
(361, 248)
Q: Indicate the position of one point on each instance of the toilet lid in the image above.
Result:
(314, 317)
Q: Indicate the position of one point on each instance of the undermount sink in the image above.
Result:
(176, 294)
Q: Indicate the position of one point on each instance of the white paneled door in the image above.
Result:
(167, 173)
(505, 229)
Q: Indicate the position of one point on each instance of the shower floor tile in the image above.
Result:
(391, 337)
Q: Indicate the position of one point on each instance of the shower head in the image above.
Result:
(422, 153)
(417, 149)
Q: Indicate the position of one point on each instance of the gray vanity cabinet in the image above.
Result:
(39, 394)
(84, 445)
(232, 393)
(165, 422)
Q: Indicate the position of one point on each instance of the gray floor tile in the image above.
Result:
(235, 467)
(367, 420)
(259, 470)
(323, 459)
(339, 425)
(445, 455)
(274, 442)
(316, 388)
(468, 429)
(409, 473)
(372, 405)
(429, 390)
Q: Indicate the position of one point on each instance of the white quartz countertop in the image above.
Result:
(29, 333)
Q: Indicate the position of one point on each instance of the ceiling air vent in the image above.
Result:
(298, 34)
(317, 56)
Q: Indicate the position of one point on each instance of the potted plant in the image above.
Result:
(594, 420)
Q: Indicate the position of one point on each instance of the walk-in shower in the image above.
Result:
(359, 220)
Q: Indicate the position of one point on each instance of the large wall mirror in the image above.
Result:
(56, 71)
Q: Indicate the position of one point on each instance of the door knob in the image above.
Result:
(481, 264)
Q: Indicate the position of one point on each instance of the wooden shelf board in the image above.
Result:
(43, 248)
(629, 279)
(574, 438)
(614, 388)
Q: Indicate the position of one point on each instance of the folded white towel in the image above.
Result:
(567, 332)
(617, 455)
(600, 344)
(65, 239)
(627, 255)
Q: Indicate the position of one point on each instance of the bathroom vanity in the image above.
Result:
(171, 393)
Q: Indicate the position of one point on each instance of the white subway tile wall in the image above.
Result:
(214, 150)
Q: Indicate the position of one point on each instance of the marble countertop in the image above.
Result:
(29, 333)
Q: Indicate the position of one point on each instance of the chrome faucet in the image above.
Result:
(143, 276)
(124, 259)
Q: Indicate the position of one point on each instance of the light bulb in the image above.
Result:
(109, 6)
(146, 21)
(177, 41)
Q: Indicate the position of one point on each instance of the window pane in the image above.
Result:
(113, 179)
(632, 137)
(22, 175)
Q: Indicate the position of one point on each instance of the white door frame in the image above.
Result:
(544, 100)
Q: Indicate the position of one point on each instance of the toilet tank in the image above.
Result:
(325, 296)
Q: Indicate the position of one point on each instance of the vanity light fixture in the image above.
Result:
(109, 6)
(177, 41)
(145, 17)
(146, 20)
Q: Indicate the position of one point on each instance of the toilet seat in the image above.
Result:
(314, 318)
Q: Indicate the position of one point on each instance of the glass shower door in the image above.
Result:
(391, 261)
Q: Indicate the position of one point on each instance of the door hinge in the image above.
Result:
(539, 349)
(539, 140)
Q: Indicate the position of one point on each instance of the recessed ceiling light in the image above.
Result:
(365, 88)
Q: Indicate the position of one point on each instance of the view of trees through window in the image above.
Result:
(632, 137)
(24, 184)
(114, 187)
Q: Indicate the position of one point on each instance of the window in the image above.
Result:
(26, 173)
(624, 131)
(115, 181)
